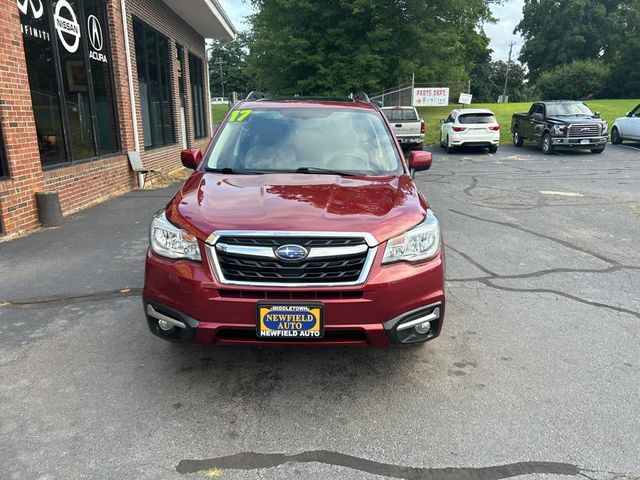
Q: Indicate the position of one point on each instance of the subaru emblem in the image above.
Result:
(291, 253)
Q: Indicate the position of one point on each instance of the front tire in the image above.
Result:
(597, 150)
(616, 139)
(547, 144)
(518, 141)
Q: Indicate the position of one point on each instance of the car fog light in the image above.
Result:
(164, 325)
(423, 328)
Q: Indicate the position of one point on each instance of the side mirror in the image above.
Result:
(419, 161)
(597, 114)
(442, 122)
(628, 114)
(191, 158)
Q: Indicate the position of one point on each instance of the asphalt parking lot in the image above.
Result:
(536, 375)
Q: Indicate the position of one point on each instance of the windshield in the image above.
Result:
(309, 140)
(477, 118)
(400, 114)
(568, 109)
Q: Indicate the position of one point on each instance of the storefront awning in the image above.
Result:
(206, 17)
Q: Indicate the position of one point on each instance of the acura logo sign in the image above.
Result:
(95, 32)
(67, 26)
(36, 11)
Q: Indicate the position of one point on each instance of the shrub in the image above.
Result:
(574, 81)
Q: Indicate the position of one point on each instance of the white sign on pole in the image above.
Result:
(465, 98)
(431, 97)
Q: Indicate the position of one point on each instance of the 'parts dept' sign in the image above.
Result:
(431, 97)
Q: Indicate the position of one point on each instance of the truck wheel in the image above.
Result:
(450, 148)
(597, 150)
(493, 148)
(547, 145)
(616, 139)
(518, 141)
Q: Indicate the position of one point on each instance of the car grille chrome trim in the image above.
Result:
(347, 261)
(266, 252)
(585, 130)
(215, 236)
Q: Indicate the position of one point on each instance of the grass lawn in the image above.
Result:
(609, 109)
(218, 112)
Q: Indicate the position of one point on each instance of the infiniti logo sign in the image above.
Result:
(35, 11)
(291, 253)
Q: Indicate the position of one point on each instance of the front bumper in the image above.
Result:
(368, 314)
(584, 142)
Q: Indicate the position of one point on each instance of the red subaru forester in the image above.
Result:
(301, 225)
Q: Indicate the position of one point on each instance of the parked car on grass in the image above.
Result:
(301, 224)
(470, 127)
(560, 124)
(627, 127)
(407, 125)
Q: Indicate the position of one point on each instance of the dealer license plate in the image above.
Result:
(290, 321)
(585, 142)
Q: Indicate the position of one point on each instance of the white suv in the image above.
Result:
(627, 127)
(470, 127)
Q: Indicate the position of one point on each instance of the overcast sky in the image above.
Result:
(500, 33)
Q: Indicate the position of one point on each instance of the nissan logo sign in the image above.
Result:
(291, 253)
(67, 27)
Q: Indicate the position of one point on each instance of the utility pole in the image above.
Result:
(506, 77)
(221, 62)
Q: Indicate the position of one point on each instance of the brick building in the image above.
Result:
(83, 82)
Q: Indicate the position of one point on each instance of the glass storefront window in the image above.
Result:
(68, 63)
(41, 67)
(154, 82)
(196, 75)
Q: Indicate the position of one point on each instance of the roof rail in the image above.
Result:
(256, 95)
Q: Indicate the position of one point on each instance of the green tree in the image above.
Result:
(340, 46)
(487, 82)
(624, 54)
(573, 81)
(234, 58)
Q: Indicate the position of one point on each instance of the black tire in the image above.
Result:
(547, 144)
(518, 141)
(493, 148)
(450, 148)
(616, 139)
(597, 150)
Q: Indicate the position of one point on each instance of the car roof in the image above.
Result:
(304, 103)
(398, 107)
(560, 101)
(472, 110)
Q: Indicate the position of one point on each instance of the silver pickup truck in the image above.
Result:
(407, 125)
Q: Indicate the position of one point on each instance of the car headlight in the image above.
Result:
(420, 243)
(169, 241)
(605, 128)
(559, 129)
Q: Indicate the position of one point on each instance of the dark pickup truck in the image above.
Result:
(560, 124)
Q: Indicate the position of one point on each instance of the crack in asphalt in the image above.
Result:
(254, 461)
(564, 243)
(72, 298)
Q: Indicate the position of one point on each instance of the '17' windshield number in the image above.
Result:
(239, 115)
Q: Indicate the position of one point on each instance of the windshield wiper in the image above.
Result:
(234, 171)
(325, 170)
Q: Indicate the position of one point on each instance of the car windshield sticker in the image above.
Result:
(240, 115)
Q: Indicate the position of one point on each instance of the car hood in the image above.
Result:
(582, 120)
(382, 206)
